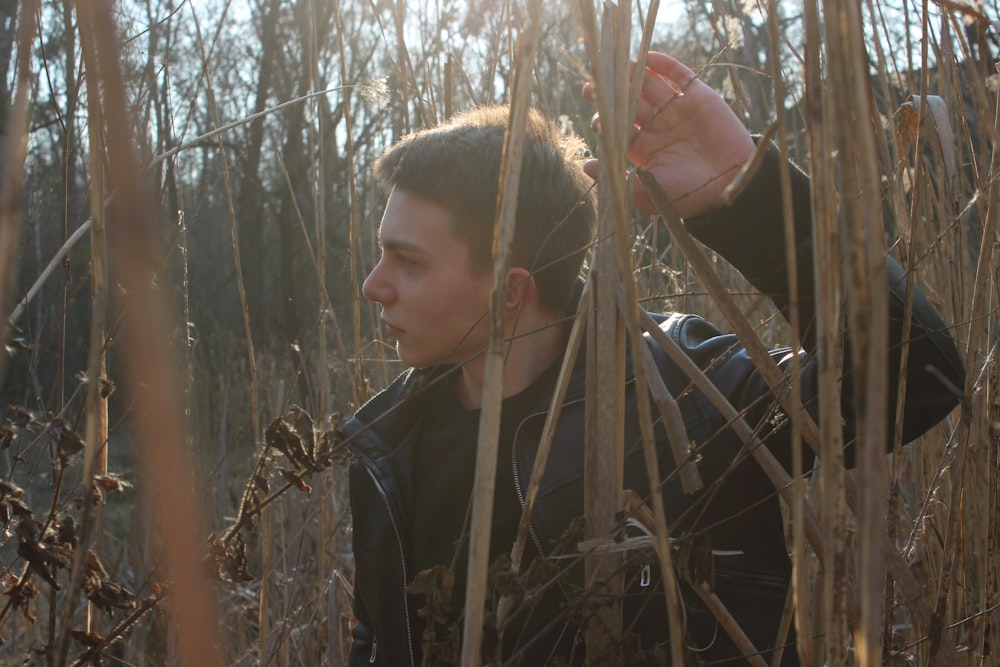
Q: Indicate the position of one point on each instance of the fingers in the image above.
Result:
(670, 68)
(664, 79)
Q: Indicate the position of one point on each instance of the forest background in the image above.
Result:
(188, 212)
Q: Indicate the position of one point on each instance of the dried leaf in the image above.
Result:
(229, 559)
(907, 118)
(68, 441)
(95, 565)
(296, 479)
(111, 483)
(436, 584)
(88, 639)
(281, 437)
(332, 447)
(18, 507)
(21, 417)
(66, 532)
(303, 425)
(9, 490)
(110, 596)
(7, 434)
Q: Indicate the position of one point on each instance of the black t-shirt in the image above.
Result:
(444, 471)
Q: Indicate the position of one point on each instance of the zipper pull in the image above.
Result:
(645, 576)
(371, 660)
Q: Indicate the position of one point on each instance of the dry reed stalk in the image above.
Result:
(318, 148)
(357, 382)
(489, 423)
(545, 440)
(990, 594)
(866, 282)
(607, 50)
(799, 586)
(774, 471)
(776, 380)
(84, 227)
(604, 416)
(159, 418)
(980, 302)
(266, 542)
(911, 590)
(833, 629)
(14, 151)
(95, 454)
(95, 407)
(647, 376)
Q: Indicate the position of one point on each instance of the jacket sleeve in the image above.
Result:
(749, 234)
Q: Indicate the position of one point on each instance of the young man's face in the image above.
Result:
(433, 303)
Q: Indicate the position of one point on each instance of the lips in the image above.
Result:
(390, 330)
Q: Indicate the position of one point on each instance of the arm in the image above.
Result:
(749, 234)
(691, 141)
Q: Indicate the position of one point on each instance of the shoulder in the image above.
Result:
(385, 419)
(688, 331)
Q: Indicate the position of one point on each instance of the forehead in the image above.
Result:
(411, 222)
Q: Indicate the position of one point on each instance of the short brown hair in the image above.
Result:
(456, 165)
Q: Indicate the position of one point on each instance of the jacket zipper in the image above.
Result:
(402, 562)
(514, 466)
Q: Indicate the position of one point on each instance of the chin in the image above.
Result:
(409, 359)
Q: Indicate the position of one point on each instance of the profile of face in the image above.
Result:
(433, 303)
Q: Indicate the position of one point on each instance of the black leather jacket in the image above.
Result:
(738, 509)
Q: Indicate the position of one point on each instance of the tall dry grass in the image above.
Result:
(902, 143)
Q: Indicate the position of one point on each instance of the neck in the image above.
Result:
(526, 357)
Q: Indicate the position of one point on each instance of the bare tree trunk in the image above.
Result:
(250, 202)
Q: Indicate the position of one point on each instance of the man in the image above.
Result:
(414, 443)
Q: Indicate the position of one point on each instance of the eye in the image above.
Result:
(405, 262)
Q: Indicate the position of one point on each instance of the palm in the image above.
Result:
(687, 137)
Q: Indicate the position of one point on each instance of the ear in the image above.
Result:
(520, 288)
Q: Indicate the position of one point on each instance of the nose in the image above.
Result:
(377, 288)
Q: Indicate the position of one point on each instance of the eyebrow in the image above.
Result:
(397, 245)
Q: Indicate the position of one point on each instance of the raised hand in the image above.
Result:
(686, 135)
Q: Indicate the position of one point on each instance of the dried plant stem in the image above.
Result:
(834, 589)
(354, 244)
(159, 419)
(800, 569)
(95, 455)
(979, 306)
(489, 424)
(603, 459)
(11, 174)
(861, 225)
(729, 624)
(263, 618)
(775, 472)
(776, 380)
(96, 425)
(545, 441)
